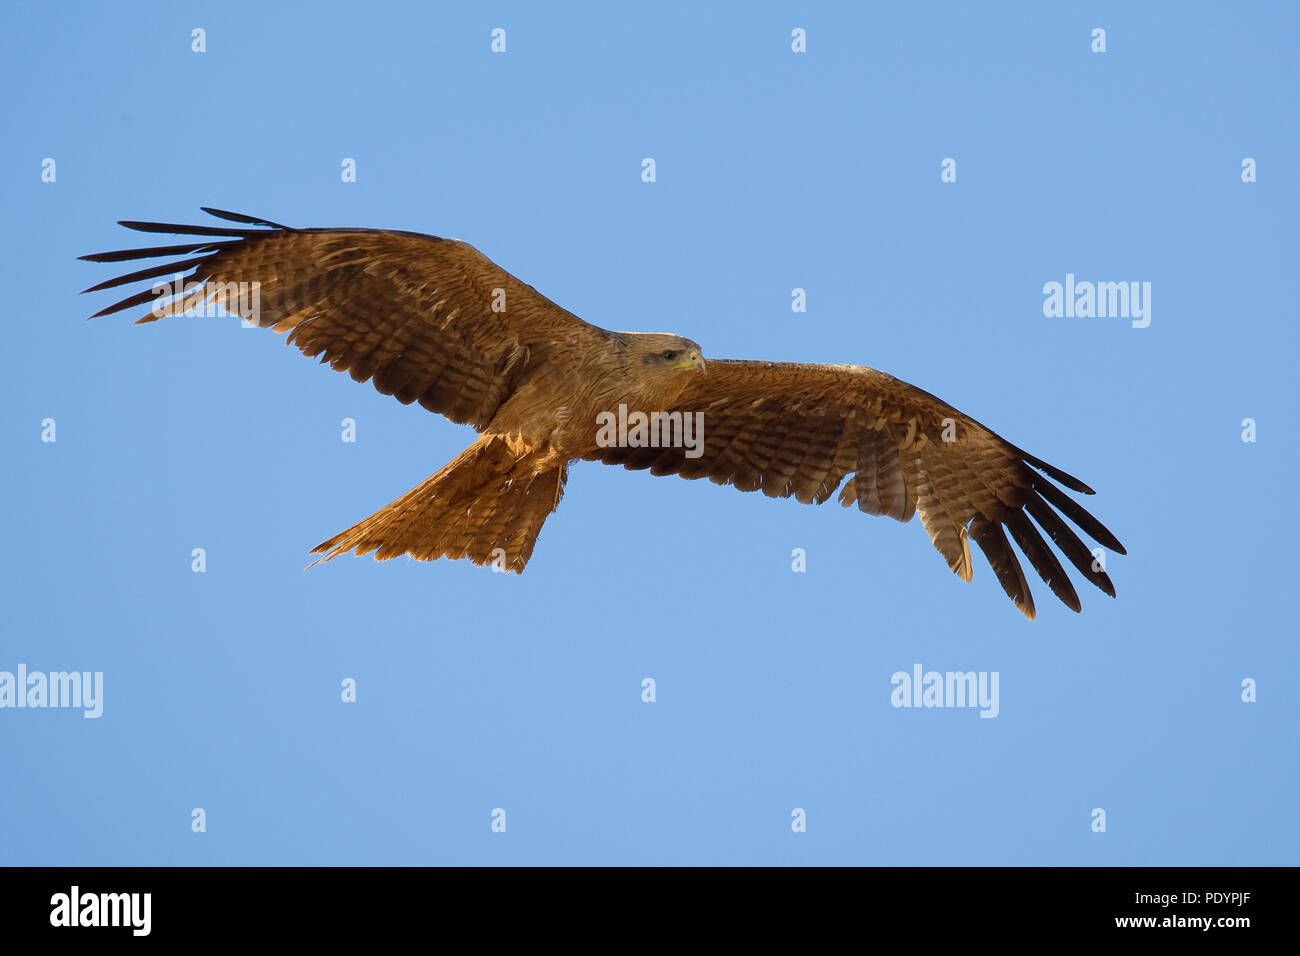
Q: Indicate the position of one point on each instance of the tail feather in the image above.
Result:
(485, 505)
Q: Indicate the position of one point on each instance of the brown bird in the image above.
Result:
(435, 321)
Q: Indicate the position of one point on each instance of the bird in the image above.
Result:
(433, 320)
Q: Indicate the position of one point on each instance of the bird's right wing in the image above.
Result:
(793, 430)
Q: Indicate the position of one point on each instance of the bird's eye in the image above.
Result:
(669, 355)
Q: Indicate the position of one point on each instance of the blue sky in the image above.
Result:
(774, 171)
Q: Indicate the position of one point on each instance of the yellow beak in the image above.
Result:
(692, 359)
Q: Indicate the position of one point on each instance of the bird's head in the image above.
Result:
(659, 352)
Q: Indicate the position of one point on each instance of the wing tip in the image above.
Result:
(1064, 477)
(241, 217)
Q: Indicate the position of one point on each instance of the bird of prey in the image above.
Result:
(433, 320)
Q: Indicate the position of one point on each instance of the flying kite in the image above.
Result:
(435, 321)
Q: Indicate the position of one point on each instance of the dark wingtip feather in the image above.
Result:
(155, 252)
(178, 229)
(153, 272)
(1069, 542)
(240, 217)
(990, 538)
(1065, 478)
(140, 298)
(1042, 558)
(1079, 515)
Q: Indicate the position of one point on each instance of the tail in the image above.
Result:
(484, 505)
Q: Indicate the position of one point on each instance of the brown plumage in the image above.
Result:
(435, 321)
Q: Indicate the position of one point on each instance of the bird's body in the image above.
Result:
(433, 320)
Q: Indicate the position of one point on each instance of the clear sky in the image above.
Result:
(774, 170)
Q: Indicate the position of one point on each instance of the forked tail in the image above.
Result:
(484, 505)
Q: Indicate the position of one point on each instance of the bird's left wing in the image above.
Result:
(800, 430)
(424, 318)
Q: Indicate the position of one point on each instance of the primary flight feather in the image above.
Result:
(435, 321)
